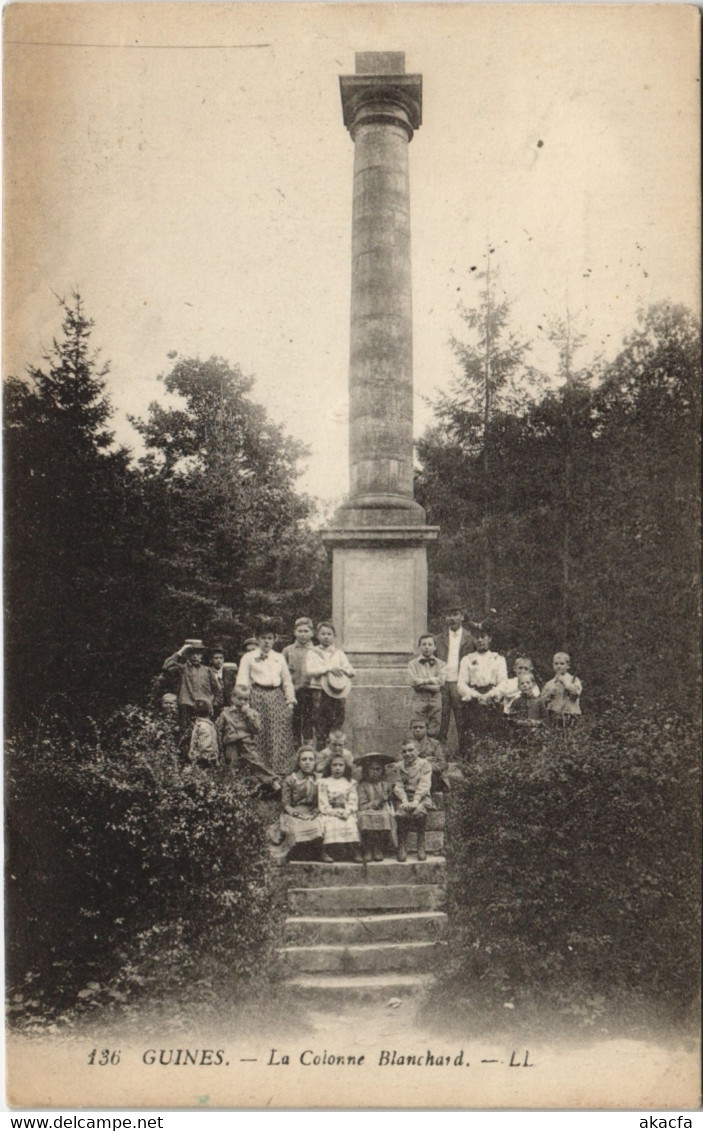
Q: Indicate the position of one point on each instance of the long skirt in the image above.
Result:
(298, 831)
(337, 831)
(274, 742)
(378, 820)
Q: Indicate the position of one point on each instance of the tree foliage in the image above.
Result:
(70, 537)
(630, 431)
(125, 874)
(229, 531)
(110, 564)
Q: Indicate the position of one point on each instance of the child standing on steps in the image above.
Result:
(375, 817)
(562, 695)
(413, 798)
(204, 748)
(330, 679)
(338, 804)
(335, 745)
(296, 656)
(427, 679)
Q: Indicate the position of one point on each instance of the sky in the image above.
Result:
(185, 166)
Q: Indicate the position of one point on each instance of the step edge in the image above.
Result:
(386, 944)
(357, 981)
(382, 917)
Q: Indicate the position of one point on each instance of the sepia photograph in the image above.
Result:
(352, 378)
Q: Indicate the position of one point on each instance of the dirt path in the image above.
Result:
(365, 1055)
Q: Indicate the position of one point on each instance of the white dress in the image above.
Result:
(336, 830)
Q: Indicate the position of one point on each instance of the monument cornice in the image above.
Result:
(387, 99)
(380, 535)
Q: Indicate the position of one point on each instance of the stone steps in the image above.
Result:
(365, 897)
(358, 958)
(408, 926)
(303, 874)
(334, 990)
(363, 931)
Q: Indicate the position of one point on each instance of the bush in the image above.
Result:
(573, 868)
(126, 874)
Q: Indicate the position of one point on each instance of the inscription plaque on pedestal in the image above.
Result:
(379, 596)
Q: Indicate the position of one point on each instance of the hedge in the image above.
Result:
(126, 875)
(574, 868)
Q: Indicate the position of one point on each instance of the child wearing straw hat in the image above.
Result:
(375, 817)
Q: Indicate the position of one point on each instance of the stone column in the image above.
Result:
(379, 537)
(382, 107)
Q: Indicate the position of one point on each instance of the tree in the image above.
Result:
(494, 384)
(67, 521)
(230, 533)
(594, 509)
(567, 340)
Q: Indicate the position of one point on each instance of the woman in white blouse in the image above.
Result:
(265, 674)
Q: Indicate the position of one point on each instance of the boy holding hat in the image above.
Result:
(330, 678)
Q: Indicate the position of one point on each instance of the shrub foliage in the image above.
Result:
(126, 874)
(574, 868)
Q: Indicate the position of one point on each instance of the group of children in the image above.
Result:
(250, 718)
(254, 714)
(340, 807)
(489, 698)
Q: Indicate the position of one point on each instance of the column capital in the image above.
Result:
(394, 99)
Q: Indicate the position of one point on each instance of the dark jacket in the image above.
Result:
(468, 644)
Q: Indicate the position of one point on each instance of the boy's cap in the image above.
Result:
(194, 645)
(250, 640)
(229, 666)
(216, 648)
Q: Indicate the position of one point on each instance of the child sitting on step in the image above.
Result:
(338, 803)
(375, 816)
(300, 822)
(413, 799)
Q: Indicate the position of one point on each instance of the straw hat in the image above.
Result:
(338, 686)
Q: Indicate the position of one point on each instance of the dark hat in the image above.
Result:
(216, 648)
(454, 601)
(384, 758)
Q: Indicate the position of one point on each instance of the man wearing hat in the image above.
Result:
(197, 682)
(452, 645)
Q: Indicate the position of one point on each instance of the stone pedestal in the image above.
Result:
(379, 608)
